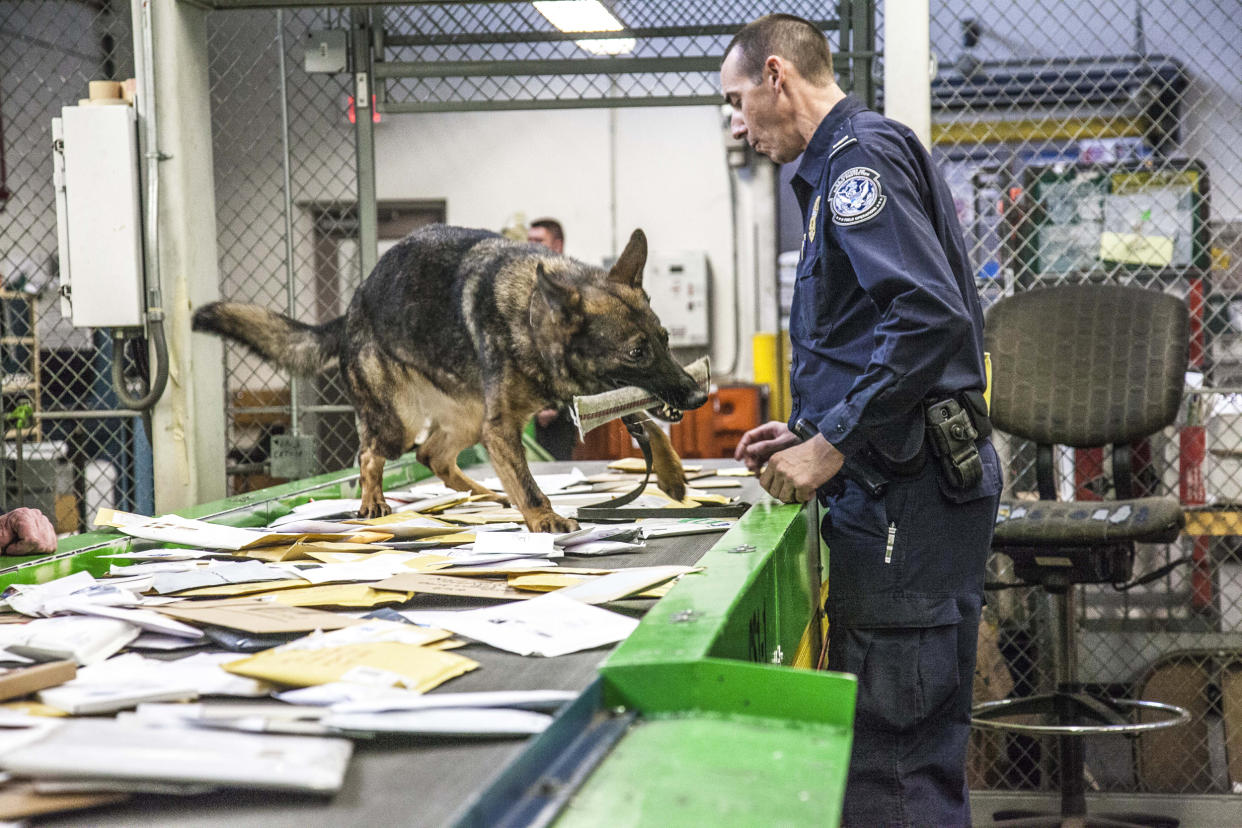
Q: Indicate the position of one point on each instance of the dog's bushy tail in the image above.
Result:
(293, 345)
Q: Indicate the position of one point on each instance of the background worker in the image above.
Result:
(885, 320)
(548, 232)
(554, 428)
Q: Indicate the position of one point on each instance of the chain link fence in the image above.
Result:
(294, 245)
(286, 213)
(1098, 142)
(77, 453)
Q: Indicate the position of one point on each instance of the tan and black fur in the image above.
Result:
(460, 335)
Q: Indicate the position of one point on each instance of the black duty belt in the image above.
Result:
(952, 427)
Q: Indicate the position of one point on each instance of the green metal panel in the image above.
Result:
(744, 603)
(723, 734)
(743, 772)
(719, 686)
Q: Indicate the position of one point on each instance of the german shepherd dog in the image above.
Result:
(460, 335)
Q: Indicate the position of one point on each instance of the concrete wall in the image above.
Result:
(600, 173)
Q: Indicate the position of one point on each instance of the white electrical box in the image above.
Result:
(325, 51)
(679, 285)
(98, 216)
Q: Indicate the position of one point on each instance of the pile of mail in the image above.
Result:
(263, 652)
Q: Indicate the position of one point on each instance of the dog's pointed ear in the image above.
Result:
(561, 294)
(629, 268)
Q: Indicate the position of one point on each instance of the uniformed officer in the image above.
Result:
(887, 376)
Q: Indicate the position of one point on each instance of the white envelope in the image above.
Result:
(479, 722)
(105, 749)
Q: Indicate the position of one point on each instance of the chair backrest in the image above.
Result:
(1087, 365)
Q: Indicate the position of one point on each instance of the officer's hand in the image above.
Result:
(26, 531)
(760, 443)
(793, 475)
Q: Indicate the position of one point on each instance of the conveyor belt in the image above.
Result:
(399, 781)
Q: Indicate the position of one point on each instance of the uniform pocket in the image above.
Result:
(811, 305)
(906, 674)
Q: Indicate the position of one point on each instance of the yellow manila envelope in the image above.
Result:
(359, 596)
(34, 708)
(548, 582)
(706, 497)
(446, 585)
(273, 554)
(637, 464)
(499, 570)
(369, 537)
(302, 550)
(545, 581)
(233, 590)
(456, 539)
(669, 503)
(407, 525)
(311, 547)
(265, 617)
(384, 663)
(483, 518)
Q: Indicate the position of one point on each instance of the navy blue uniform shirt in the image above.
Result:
(885, 313)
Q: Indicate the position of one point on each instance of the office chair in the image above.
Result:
(1082, 366)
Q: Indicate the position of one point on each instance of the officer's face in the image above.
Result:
(758, 115)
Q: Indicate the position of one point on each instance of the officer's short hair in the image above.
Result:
(793, 38)
(552, 226)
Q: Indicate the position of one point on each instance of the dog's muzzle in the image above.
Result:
(671, 413)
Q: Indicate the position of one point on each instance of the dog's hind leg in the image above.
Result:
(439, 453)
(377, 444)
(670, 476)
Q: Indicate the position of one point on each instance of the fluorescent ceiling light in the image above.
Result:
(578, 15)
(587, 16)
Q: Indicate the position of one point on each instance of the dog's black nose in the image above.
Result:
(694, 399)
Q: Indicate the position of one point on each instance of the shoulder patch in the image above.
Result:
(856, 196)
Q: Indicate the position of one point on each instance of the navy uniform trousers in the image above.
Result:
(905, 588)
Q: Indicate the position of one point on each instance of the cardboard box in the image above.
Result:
(67, 514)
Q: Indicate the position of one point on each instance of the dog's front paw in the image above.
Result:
(373, 508)
(549, 521)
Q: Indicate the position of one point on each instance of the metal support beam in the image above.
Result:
(188, 422)
(290, 282)
(907, 66)
(364, 138)
(563, 66)
(862, 33)
(471, 38)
